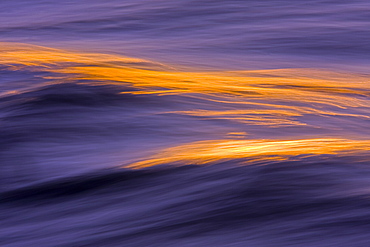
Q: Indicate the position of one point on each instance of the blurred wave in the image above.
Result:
(225, 34)
(126, 109)
(184, 123)
(284, 204)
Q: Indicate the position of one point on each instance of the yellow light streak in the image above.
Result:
(268, 98)
(204, 152)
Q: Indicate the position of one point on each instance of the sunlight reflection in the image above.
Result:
(204, 152)
(266, 98)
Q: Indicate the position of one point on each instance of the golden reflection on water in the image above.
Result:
(266, 98)
(275, 89)
(20, 55)
(204, 152)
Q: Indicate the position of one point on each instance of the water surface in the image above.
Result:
(184, 123)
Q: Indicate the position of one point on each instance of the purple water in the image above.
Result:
(184, 123)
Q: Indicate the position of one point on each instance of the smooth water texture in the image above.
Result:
(184, 123)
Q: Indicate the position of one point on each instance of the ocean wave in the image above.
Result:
(105, 150)
(316, 203)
